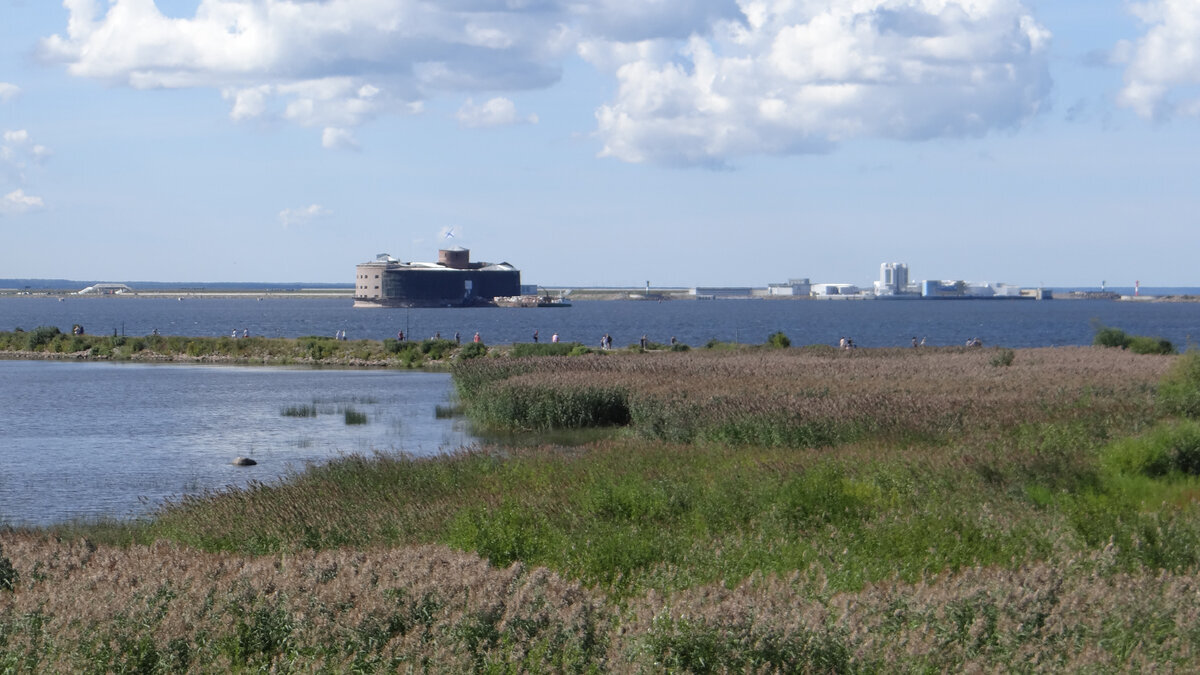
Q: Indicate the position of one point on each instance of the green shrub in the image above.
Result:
(1004, 358)
(1138, 344)
(316, 347)
(41, 336)
(1111, 337)
(1141, 344)
(778, 340)
(544, 348)
(1179, 390)
(473, 350)
(436, 349)
(1167, 449)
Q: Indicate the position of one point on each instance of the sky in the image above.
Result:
(604, 142)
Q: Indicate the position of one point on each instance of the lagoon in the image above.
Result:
(90, 440)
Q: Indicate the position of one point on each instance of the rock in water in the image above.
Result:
(243, 461)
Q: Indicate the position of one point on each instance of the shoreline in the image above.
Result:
(572, 294)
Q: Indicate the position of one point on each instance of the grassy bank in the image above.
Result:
(49, 342)
(960, 510)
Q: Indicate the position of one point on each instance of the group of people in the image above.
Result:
(846, 343)
(234, 333)
(438, 336)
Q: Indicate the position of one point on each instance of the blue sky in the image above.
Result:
(614, 142)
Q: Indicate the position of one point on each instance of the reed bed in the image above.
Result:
(805, 397)
(163, 608)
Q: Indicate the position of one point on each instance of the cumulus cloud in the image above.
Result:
(317, 64)
(797, 77)
(18, 154)
(8, 91)
(496, 112)
(301, 216)
(19, 202)
(1162, 74)
(699, 81)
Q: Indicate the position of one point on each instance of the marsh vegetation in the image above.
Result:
(754, 508)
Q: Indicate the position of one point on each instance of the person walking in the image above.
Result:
(476, 337)
(535, 337)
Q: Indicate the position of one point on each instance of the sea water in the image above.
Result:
(1009, 323)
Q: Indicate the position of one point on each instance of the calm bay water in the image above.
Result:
(99, 439)
(1010, 323)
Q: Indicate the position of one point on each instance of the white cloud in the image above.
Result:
(18, 154)
(8, 91)
(301, 216)
(1162, 75)
(333, 138)
(800, 76)
(700, 81)
(319, 64)
(19, 202)
(496, 112)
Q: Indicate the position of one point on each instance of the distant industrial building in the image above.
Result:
(893, 280)
(793, 288)
(452, 281)
(823, 290)
(964, 289)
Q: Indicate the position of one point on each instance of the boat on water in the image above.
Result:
(532, 301)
